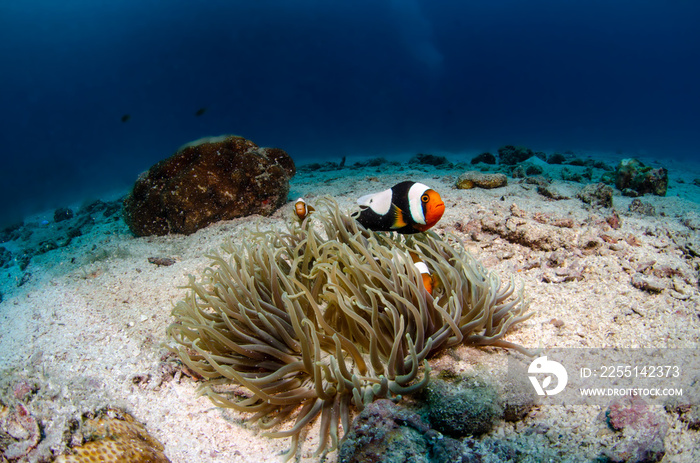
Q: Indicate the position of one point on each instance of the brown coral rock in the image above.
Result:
(114, 437)
(473, 179)
(206, 181)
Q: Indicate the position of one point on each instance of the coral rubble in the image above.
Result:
(113, 436)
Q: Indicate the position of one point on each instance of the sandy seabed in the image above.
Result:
(87, 328)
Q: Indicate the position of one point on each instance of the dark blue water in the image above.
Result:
(319, 77)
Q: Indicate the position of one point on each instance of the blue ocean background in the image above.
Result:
(95, 92)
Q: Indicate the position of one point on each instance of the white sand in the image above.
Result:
(93, 314)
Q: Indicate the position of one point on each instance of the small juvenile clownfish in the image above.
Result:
(428, 279)
(406, 208)
(301, 209)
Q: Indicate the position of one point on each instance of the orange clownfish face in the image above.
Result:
(301, 209)
(433, 208)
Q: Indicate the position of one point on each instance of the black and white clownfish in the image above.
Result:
(301, 209)
(407, 207)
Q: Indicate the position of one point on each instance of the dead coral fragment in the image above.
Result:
(311, 323)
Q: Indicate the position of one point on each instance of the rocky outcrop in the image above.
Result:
(486, 158)
(206, 181)
(636, 179)
(511, 155)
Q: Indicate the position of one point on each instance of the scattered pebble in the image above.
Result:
(650, 284)
(550, 193)
(641, 207)
(161, 261)
(556, 322)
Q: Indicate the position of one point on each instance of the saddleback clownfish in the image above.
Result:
(302, 209)
(407, 207)
(428, 279)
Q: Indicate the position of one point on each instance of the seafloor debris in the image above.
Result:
(19, 432)
(550, 192)
(596, 194)
(687, 406)
(641, 431)
(641, 207)
(645, 283)
(161, 261)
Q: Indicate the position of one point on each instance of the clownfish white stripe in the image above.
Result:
(422, 267)
(378, 202)
(415, 204)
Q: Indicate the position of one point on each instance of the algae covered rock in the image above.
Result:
(635, 179)
(596, 194)
(206, 181)
(473, 178)
(429, 160)
(389, 433)
(556, 158)
(486, 158)
(470, 407)
(511, 155)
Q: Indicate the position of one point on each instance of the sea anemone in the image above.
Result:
(327, 316)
